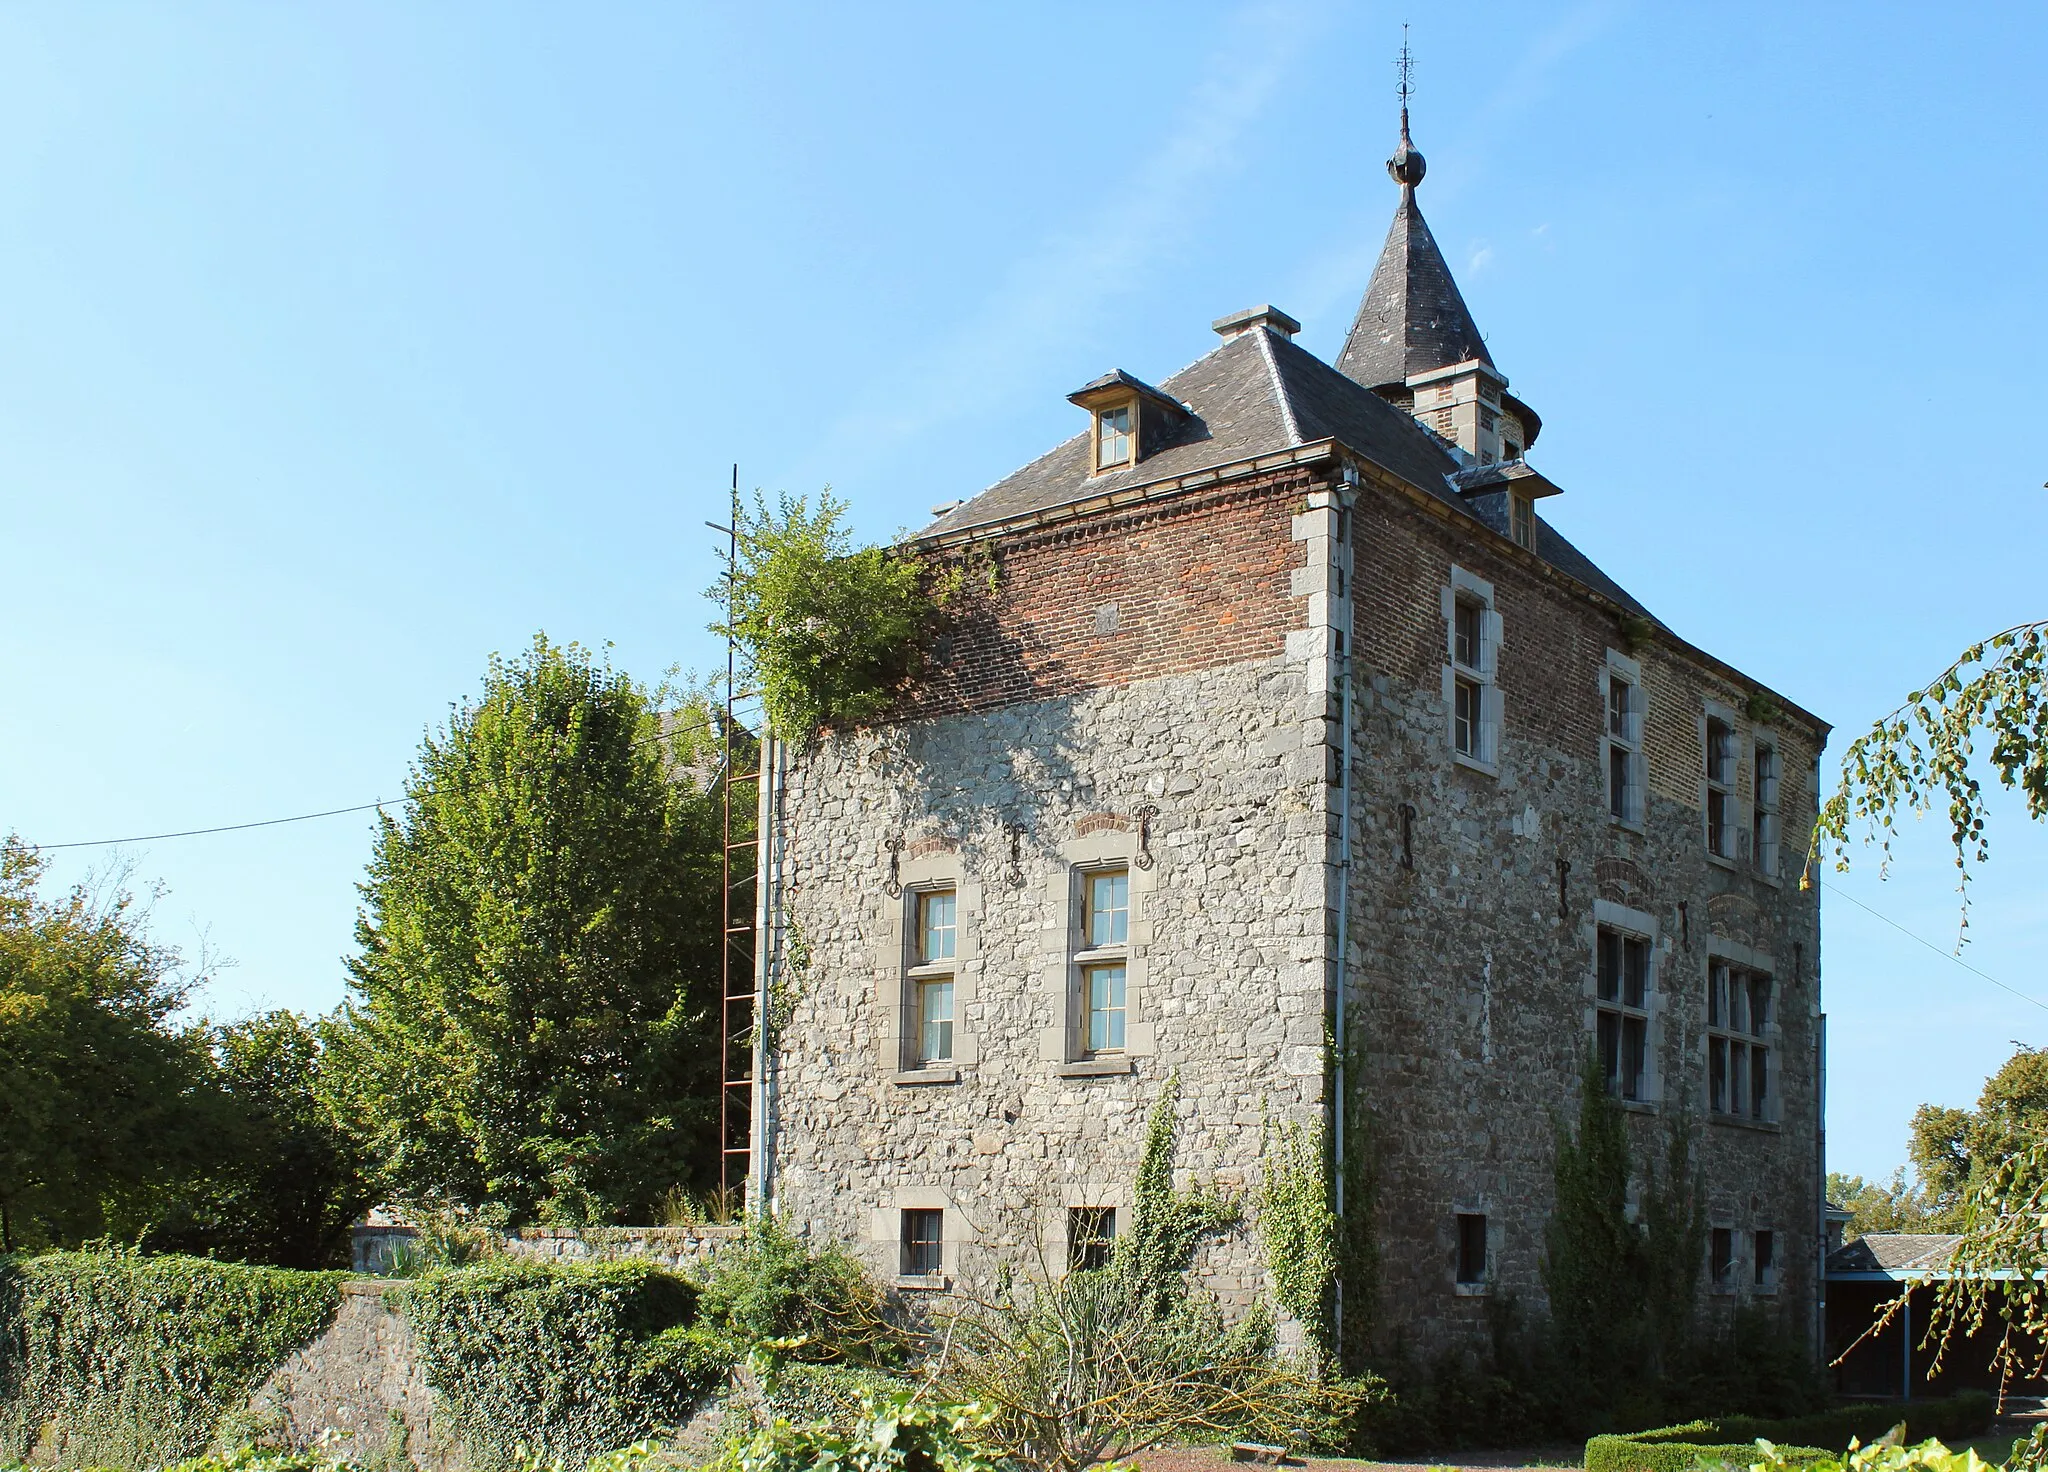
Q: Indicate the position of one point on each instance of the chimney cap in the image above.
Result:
(1266, 315)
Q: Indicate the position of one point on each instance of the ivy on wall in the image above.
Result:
(110, 1358)
(1166, 1225)
(1298, 1227)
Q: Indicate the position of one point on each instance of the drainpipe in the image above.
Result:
(768, 961)
(1342, 668)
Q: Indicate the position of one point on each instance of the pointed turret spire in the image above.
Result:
(1412, 319)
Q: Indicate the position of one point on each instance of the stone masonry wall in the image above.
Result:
(1209, 783)
(1471, 974)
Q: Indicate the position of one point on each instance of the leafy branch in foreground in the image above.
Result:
(1923, 750)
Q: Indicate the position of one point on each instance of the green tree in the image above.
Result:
(282, 1180)
(535, 987)
(1896, 1205)
(103, 1098)
(1954, 1150)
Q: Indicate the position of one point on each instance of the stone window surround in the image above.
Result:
(1631, 671)
(895, 995)
(1742, 1258)
(1476, 1206)
(1487, 674)
(885, 1229)
(1053, 1232)
(1714, 710)
(1734, 953)
(1643, 924)
(1064, 1043)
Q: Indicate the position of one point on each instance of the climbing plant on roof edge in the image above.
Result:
(828, 631)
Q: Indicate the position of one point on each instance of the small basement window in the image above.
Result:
(923, 1242)
(1091, 1238)
(1471, 1248)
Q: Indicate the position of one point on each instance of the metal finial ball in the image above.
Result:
(1407, 165)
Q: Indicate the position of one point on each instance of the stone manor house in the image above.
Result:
(1292, 718)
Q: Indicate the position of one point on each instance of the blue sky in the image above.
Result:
(340, 346)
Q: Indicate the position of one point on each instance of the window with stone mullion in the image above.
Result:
(1622, 1012)
(1739, 1006)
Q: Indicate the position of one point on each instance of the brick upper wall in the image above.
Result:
(1554, 646)
(1197, 581)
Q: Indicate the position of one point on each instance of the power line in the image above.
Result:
(363, 807)
(1945, 955)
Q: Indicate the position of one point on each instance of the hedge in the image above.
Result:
(568, 1360)
(1733, 1439)
(110, 1358)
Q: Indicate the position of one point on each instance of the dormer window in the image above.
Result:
(1113, 438)
(1522, 520)
(1129, 421)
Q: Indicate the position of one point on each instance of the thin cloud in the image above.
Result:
(999, 349)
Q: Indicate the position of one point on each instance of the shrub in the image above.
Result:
(1887, 1455)
(895, 1433)
(1814, 1437)
(565, 1360)
(111, 1358)
(828, 631)
(819, 1306)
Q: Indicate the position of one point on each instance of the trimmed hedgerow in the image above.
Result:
(1733, 1439)
(567, 1360)
(109, 1358)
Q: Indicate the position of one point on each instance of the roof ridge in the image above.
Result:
(1279, 382)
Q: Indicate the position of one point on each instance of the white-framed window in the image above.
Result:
(1102, 960)
(935, 929)
(1622, 740)
(1113, 437)
(1720, 787)
(1521, 517)
(1471, 689)
(1739, 1009)
(1621, 1011)
(1764, 812)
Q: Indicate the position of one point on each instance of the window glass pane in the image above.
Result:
(1091, 1237)
(935, 1033)
(1465, 717)
(1766, 1259)
(1759, 1081)
(1721, 1256)
(1471, 1248)
(1618, 692)
(1109, 908)
(1105, 1008)
(1759, 1004)
(935, 928)
(923, 1251)
(1465, 628)
(1609, 970)
(1635, 970)
(1717, 996)
(1114, 437)
(1738, 1003)
(1607, 1029)
(1633, 1047)
(1717, 1075)
(1738, 1078)
(1617, 782)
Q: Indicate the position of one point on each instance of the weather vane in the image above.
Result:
(1406, 67)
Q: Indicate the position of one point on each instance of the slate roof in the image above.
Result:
(1412, 318)
(1256, 394)
(1893, 1252)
